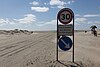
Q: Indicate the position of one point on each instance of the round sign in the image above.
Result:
(65, 43)
(65, 15)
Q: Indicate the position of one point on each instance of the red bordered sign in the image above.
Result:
(65, 15)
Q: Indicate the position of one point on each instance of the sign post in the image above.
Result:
(65, 16)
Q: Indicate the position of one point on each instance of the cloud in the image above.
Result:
(29, 18)
(77, 15)
(58, 3)
(34, 3)
(70, 2)
(37, 8)
(80, 20)
(60, 6)
(94, 22)
(40, 9)
(6, 21)
(2, 21)
(45, 3)
(52, 22)
(91, 15)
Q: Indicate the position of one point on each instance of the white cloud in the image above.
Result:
(45, 3)
(52, 22)
(40, 9)
(57, 2)
(34, 3)
(92, 15)
(60, 3)
(60, 6)
(70, 2)
(29, 18)
(77, 15)
(80, 20)
(94, 22)
(2, 24)
(4, 21)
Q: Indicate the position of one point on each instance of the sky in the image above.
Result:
(42, 14)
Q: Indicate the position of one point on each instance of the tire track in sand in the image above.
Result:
(24, 45)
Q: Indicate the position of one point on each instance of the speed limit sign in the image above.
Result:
(65, 15)
(64, 30)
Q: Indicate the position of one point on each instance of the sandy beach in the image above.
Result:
(39, 50)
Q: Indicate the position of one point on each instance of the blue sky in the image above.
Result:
(41, 14)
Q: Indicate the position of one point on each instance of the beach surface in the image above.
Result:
(39, 50)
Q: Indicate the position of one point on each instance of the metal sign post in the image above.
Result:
(65, 16)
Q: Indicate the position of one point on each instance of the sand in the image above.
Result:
(39, 50)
